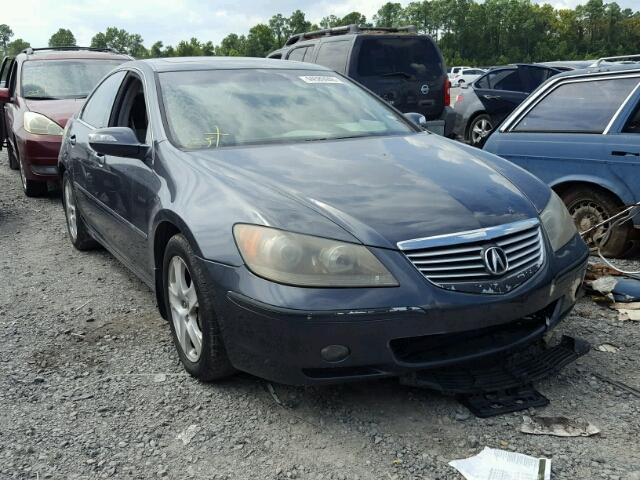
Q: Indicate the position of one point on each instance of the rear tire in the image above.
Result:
(76, 228)
(189, 303)
(479, 130)
(13, 159)
(590, 207)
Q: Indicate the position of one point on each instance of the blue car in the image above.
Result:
(580, 133)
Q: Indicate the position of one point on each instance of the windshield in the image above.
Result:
(57, 79)
(218, 108)
(414, 57)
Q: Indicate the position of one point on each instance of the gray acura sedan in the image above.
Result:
(296, 227)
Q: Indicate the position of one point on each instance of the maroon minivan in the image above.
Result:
(43, 88)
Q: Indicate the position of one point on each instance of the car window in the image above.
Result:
(508, 79)
(633, 124)
(297, 54)
(130, 108)
(97, 110)
(4, 74)
(54, 79)
(578, 107)
(535, 76)
(13, 72)
(482, 82)
(220, 108)
(334, 55)
(413, 56)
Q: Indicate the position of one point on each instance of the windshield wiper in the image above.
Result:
(335, 138)
(406, 75)
(43, 97)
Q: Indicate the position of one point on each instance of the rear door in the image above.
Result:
(4, 74)
(501, 91)
(405, 70)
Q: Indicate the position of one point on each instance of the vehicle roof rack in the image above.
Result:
(617, 59)
(353, 28)
(30, 50)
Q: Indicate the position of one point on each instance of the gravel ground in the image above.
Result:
(91, 387)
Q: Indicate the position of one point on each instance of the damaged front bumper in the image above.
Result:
(320, 346)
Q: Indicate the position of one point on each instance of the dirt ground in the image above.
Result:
(91, 387)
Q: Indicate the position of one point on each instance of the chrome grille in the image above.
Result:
(456, 261)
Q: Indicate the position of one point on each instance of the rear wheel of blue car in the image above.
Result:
(589, 208)
(189, 302)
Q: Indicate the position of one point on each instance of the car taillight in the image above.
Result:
(447, 92)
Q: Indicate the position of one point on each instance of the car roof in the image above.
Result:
(72, 54)
(173, 64)
(604, 67)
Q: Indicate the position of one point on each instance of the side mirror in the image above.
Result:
(5, 96)
(118, 142)
(417, 118)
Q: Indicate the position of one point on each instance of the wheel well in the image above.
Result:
(468, 128)
(563, 188)
(163, 234)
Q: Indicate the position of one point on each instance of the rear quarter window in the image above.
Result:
(297, 54)
(333, 55)
(578, 107)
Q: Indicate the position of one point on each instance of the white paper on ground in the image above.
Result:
(494, 464)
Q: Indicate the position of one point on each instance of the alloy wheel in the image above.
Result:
(480, 131)
(183, 301)
(70, 207)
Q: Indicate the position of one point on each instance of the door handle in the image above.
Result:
(492, 97)
(619, 153)
(72, 139)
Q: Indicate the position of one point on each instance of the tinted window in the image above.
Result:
(297, 54)
(6, 64)
(633, 124)
(334, 55)
(414, 56)
(482, 82)
(535, 76)
(63, 78)
(98, 108)
(506, 80)
(581, 107)
(220, 108)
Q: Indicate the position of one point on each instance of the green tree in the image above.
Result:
(15, 47)
(192, 48)
(232, 46)
(208, 49)
(120, 40)
(298, 23)
(279, 25)
(260, 41)
(62, 38)
(5, 35)
(389, 15)
(156, 50)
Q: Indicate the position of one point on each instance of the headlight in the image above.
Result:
(308, 261)
(40, 125)
(557, 222)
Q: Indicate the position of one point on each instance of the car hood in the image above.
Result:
(60, 111)
(382, 190)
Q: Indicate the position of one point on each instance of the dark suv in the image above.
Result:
(403, 67)
(42, 88)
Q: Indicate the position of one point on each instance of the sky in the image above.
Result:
(174, 20)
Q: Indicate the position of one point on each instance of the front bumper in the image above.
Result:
(284, 344)
(39, 155)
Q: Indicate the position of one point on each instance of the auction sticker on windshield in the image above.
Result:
(320, 79)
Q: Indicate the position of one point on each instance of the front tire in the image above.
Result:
(76, 228)
(189, 304)
(590, 207)
(479, 130)
(31, 188)
(13, 158)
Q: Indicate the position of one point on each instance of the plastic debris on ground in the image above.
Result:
(495, 464)
(608, 348)
(558, 427)
(187, 435)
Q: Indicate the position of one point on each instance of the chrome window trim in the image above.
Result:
(468, 236)
(622, 106)
(524, 108)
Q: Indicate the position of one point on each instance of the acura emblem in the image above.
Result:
(424, 89)
(495, 260)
